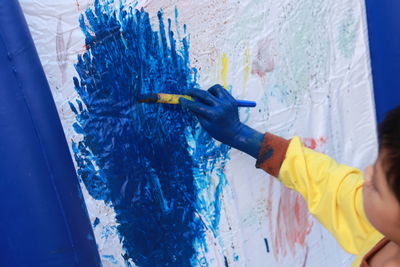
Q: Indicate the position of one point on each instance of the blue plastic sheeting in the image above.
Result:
(43, 218)
(384, 38)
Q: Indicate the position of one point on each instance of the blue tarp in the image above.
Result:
(43, 217)
(384, 41)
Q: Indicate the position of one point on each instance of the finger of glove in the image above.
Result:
(221, 93)
(205, 123)
(203, 96)
(228, 96)
(197, 108)
(217, 90)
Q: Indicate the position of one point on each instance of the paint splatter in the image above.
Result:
(347, 35)
(226, 262)
(266, 244)
(303, 52)
(224, 71)
(246, 63)
(313, 143)
(264, 60)
(96, 222)
(149, 162)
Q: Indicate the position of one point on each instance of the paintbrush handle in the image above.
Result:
(174, 99)
(246, 103)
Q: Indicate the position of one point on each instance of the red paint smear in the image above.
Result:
(264, 60)
(292, 223)
(313, 143)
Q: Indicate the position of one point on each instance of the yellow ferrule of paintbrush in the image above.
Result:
(171, 99)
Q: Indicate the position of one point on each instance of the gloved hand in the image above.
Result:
(218, 114)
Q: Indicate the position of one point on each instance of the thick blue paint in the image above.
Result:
(136, 157)
(96, 222)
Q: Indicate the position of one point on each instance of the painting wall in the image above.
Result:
(159, 190)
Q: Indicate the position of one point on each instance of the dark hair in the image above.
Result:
(389, 145)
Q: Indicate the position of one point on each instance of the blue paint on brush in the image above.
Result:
(137, 158)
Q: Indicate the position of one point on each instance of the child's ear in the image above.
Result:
(369, 171)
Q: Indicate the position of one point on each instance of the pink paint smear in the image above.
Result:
(293, 222)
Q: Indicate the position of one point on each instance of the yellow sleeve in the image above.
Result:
(333, 193)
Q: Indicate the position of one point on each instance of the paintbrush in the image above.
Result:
(174, 99)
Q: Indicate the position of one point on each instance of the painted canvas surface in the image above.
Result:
(159, 190)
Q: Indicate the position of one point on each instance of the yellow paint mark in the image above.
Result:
(224, 71)
(171, 99)
(246, 65)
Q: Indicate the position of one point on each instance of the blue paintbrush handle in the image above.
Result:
(246, 103)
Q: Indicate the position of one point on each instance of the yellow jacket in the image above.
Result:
(333, 193)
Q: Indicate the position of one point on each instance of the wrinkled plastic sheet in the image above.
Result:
(306, 63)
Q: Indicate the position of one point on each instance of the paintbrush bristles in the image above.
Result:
(148, 98)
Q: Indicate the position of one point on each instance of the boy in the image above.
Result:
(362, 212)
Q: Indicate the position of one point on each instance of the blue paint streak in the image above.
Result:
(110, 258)
(136, 157)
(266, 244)
(226, 262)
(96, 222)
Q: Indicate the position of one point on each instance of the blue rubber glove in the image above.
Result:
(218, 114)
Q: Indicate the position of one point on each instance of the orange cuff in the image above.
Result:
(272, 153)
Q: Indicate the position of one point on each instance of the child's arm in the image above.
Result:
(333, 192)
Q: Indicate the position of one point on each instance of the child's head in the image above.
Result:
(389, 146)
(382, 180)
